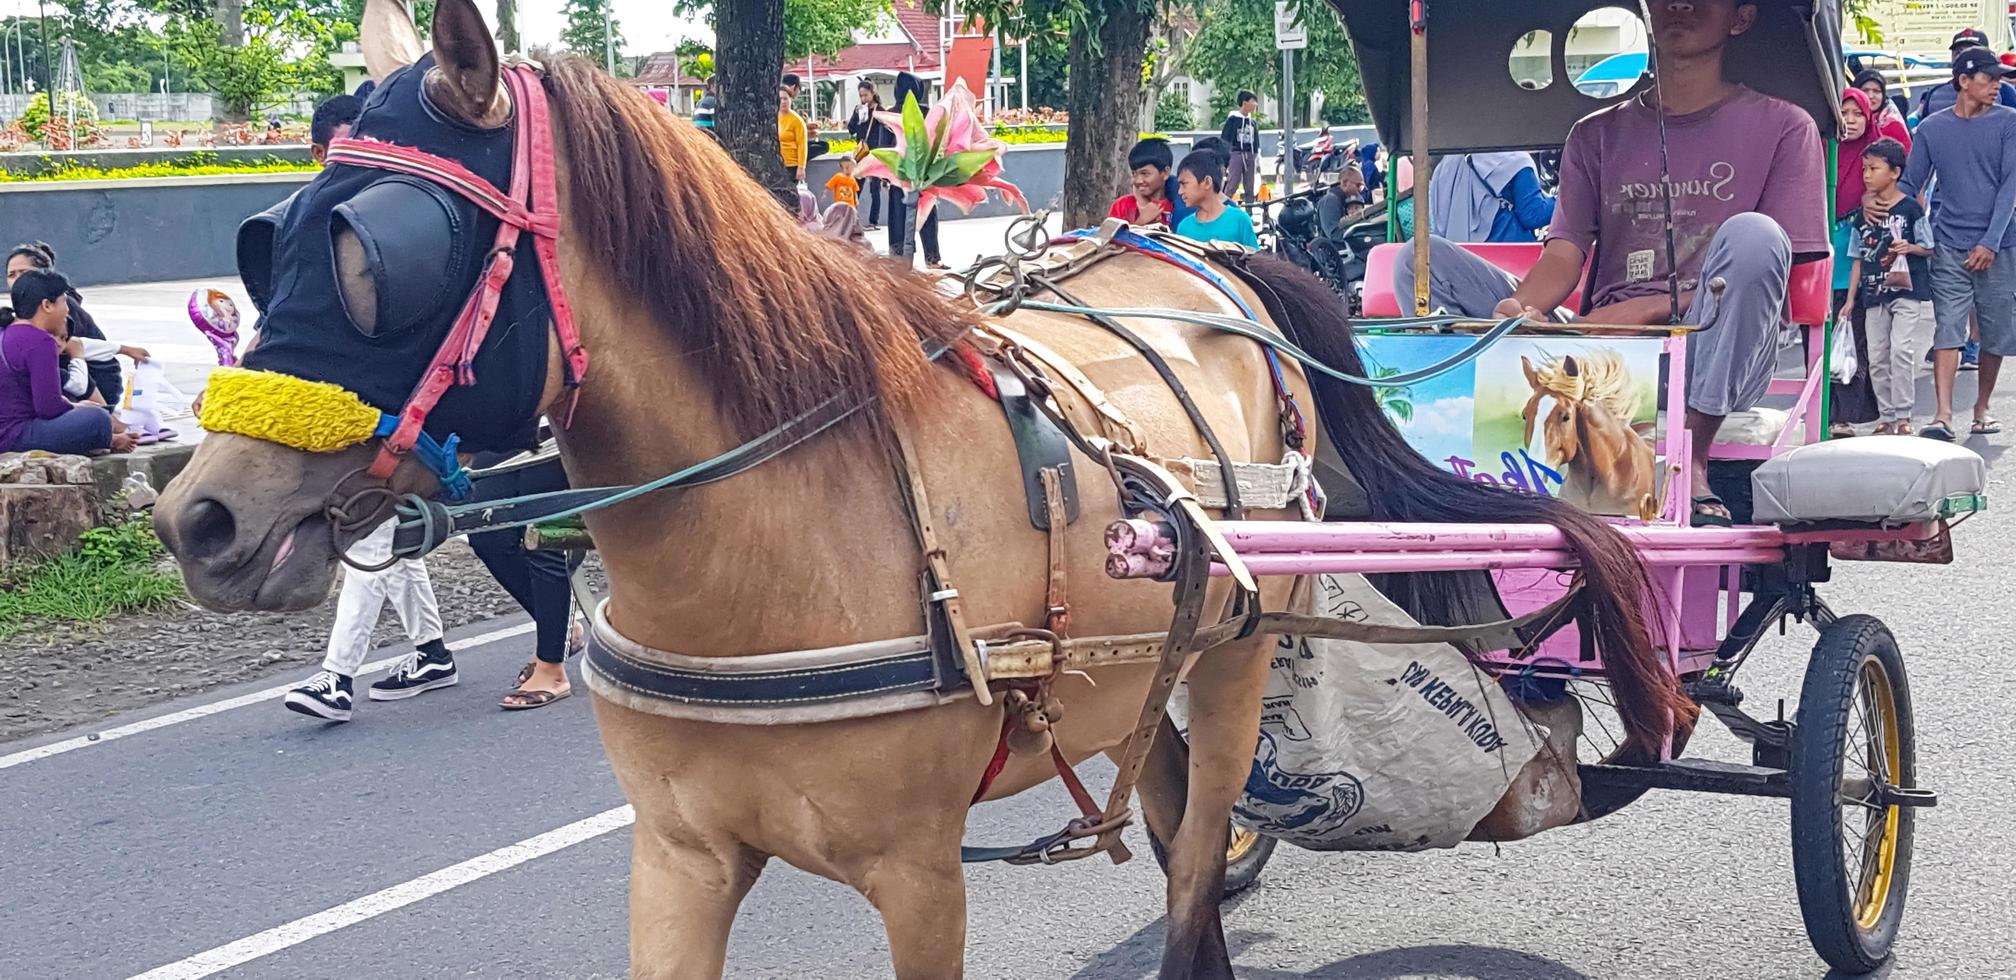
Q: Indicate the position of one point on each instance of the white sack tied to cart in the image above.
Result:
(1389, 747)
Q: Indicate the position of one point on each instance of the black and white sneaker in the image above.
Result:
(325, 695)
(417, 674)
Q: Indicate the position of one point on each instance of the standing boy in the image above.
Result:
(1242, 143)
(1155, 199)
(1893, 280)
(1215, 220)
(1971, 150)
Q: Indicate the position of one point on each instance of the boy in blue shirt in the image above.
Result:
(1198, 180)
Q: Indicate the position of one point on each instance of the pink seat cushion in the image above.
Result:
(1809, 298)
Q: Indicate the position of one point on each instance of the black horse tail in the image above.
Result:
(1403, 486)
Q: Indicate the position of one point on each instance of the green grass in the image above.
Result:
(179, 168)
(115, 570)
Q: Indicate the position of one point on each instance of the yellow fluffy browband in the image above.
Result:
(307, 415)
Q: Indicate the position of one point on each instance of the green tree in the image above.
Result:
(752, 41)
(587, 33)
(1235, 50)
(507, 26)
(1105, 57)
(1397, 403)
(1172, 113)
(825, 26)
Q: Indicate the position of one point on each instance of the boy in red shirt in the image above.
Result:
(1154, 200)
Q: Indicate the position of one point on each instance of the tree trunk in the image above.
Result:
(231, 34)
(1105, 106)
(507, 26)
(748, 57)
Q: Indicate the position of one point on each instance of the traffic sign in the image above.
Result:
(1289, 34)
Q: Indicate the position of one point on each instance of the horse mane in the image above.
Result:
(1601, 378)
(780, 319)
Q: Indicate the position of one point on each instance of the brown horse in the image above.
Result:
(1607, 466)
(711, 317)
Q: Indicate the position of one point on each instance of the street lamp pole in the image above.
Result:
(608, 39)
(42, 28)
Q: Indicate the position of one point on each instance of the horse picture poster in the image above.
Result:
(1563, 416)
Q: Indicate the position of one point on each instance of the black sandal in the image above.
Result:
(1702, 518)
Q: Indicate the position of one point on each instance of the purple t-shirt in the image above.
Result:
(1748, 152)
(31, 385)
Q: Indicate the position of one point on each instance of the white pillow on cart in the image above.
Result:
(1888, 480)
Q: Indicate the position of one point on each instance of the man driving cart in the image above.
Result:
(1746, 172)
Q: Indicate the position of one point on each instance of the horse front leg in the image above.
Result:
(1224, 699)
(921, 894)
(683, 900)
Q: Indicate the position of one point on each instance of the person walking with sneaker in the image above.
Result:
(1970, 149)
(328, 694)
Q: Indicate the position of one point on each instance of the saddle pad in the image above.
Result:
(1888, 480)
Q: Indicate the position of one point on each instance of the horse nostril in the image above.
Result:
(207, 529)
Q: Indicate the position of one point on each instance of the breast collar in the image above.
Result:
(531, 206)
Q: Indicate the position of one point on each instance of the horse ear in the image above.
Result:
(387, 38)
(464, 82)
(1532, 377)
(1569, 367)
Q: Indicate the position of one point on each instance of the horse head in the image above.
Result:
(716, 308)
(359, 279)
(1558, 423)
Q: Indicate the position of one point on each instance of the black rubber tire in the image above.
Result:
(1827, 710)
(1241, 871)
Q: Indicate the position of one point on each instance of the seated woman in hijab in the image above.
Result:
(1487, 197)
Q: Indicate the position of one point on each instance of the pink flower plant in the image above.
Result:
(946, 154)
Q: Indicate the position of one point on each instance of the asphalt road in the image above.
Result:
(136, 853)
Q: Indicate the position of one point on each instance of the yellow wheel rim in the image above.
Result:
(1241, 845)
(1871, 756)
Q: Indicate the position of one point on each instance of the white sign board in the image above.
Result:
(146, 133)
(1927, 26)
(1289, 34)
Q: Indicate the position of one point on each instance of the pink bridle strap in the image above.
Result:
(531, 206)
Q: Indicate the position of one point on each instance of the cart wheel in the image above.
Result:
(1246, 853)
(1851, 856)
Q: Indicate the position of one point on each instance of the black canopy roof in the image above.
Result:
(1794, 52)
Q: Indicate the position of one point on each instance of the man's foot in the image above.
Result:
(1940, 429)
(1841, 430)
(417, 674)
(325, 695)
(1710, 511)
(1970, 357)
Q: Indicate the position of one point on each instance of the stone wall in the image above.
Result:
(112, 231)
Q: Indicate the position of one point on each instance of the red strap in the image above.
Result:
(532, 205)
(999, 761)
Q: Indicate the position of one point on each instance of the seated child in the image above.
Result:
(1199, 180)
(1892, 280)
(1155, 199)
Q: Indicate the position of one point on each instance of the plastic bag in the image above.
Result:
(150, 397)
(1842, 363)
(1379, 748)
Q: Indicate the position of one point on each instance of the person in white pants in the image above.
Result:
(405, 585)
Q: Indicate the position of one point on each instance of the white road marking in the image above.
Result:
(398, 896)
(218, 707)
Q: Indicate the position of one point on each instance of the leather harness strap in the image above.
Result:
(1057, 610)
(942, 592)
(532, 205)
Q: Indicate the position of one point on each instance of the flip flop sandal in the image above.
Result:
(524, 674)
(1703, 518)
(1985, 427)
(532, 699)
(1939, 429)
(1840, 430)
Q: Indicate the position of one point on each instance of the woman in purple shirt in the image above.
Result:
(33, 412)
